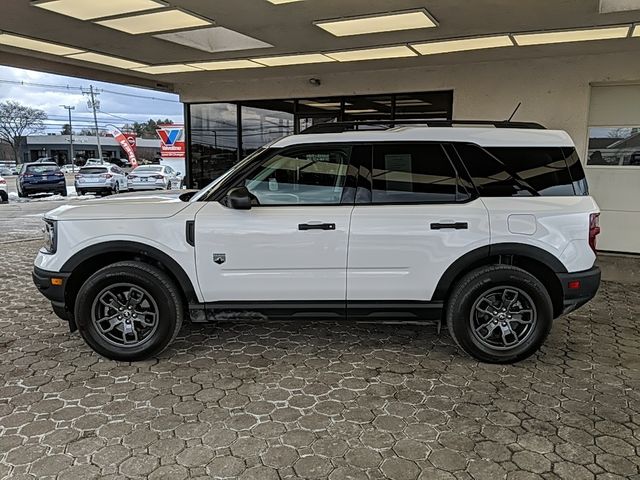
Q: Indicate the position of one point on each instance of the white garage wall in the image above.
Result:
(553, 91)
(617, 188)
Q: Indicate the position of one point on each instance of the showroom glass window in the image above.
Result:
(614, 147)
(313, 176)
(261, 126)
(412, 173)
(214, 141)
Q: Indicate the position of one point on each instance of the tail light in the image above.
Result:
(3, 181)
(78, 175)
(27, 175)
(131, 177)
(106, 175)
(59, 174)
(157, 177)
(594, 230)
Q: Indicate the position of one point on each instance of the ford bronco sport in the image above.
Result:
(488, 230)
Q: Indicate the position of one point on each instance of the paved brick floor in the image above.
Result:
(316, 400)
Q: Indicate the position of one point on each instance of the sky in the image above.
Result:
(118, 104)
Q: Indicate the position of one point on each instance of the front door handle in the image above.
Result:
(316, 226)
(450, 226)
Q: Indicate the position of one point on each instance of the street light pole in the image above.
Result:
(71, 153)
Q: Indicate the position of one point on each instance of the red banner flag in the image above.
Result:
(127, 142)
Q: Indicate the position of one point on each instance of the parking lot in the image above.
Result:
(311, 399)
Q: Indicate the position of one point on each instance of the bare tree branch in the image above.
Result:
(17, 121)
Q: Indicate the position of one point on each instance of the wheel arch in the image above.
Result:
(538, 262)
(91, 259)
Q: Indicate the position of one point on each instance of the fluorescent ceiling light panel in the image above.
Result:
(107, 60)
(636, 31)
(568, 36)
(462, 45)
(372, 54)
(280, 2)
(36, 45)
(293, 60)
(92, 9)
(226, 65)
(162, 21)
(164, 69)
(391, 22)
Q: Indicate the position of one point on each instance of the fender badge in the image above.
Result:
(219, 258)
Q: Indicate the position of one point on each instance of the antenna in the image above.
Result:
(514, 112)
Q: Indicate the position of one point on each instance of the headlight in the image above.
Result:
(50, 236)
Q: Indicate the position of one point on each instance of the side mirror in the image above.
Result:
(239, 198)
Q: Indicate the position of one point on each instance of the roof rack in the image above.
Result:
(339, 127)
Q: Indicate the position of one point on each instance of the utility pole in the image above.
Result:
(71, 154)
(94, 104)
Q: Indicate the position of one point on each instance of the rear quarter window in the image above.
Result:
(515, 172)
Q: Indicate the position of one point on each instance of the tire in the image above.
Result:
(4, 196)
(81, 192)
(64, 192)
(158, 293)
(475, 310)
(116, 189)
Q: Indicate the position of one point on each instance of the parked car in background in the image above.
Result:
(6, 171)
(4, 196)
(154, 177)
(103, 179)
(39, 177)
(121, 162)
(69, 168)
(94, 161)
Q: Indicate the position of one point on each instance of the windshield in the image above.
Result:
(209, 189)
(149, 168)
(42, 169)
(93, 171)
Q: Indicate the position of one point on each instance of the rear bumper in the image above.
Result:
(43, 188)
(579, 288)
(146, 186)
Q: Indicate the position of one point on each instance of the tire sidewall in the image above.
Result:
(168, 311)
(460, 314)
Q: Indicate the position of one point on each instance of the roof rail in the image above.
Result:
(339, 127)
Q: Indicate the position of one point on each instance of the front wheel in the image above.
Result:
(499, 314)
(129, 311)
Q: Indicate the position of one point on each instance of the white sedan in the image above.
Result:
(154, 177)
(4, 196)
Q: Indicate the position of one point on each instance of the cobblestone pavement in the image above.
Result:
(316, 400)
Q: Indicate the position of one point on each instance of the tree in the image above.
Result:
(17, 121)
(146, 129)
(66, 129)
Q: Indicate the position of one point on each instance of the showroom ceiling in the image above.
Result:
(158, 43)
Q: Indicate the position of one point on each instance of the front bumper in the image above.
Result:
(579, 288)
(54, 293)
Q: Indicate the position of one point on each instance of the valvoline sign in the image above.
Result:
(173, 143)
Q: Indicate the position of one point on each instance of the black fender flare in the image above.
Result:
(480, 255)
(135, 248)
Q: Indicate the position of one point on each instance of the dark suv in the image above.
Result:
(40, 178)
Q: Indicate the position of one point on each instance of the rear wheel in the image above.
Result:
(129, 311)
(499, 314)
(4, 197)
(64, 192)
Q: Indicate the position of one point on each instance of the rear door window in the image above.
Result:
(412, 173)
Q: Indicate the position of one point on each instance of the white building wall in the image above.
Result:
(554, 91)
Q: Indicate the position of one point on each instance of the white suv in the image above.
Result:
(490, 231)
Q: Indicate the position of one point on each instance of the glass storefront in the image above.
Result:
(221, 134)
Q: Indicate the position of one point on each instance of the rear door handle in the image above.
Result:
(316, 226)
(450, 226)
